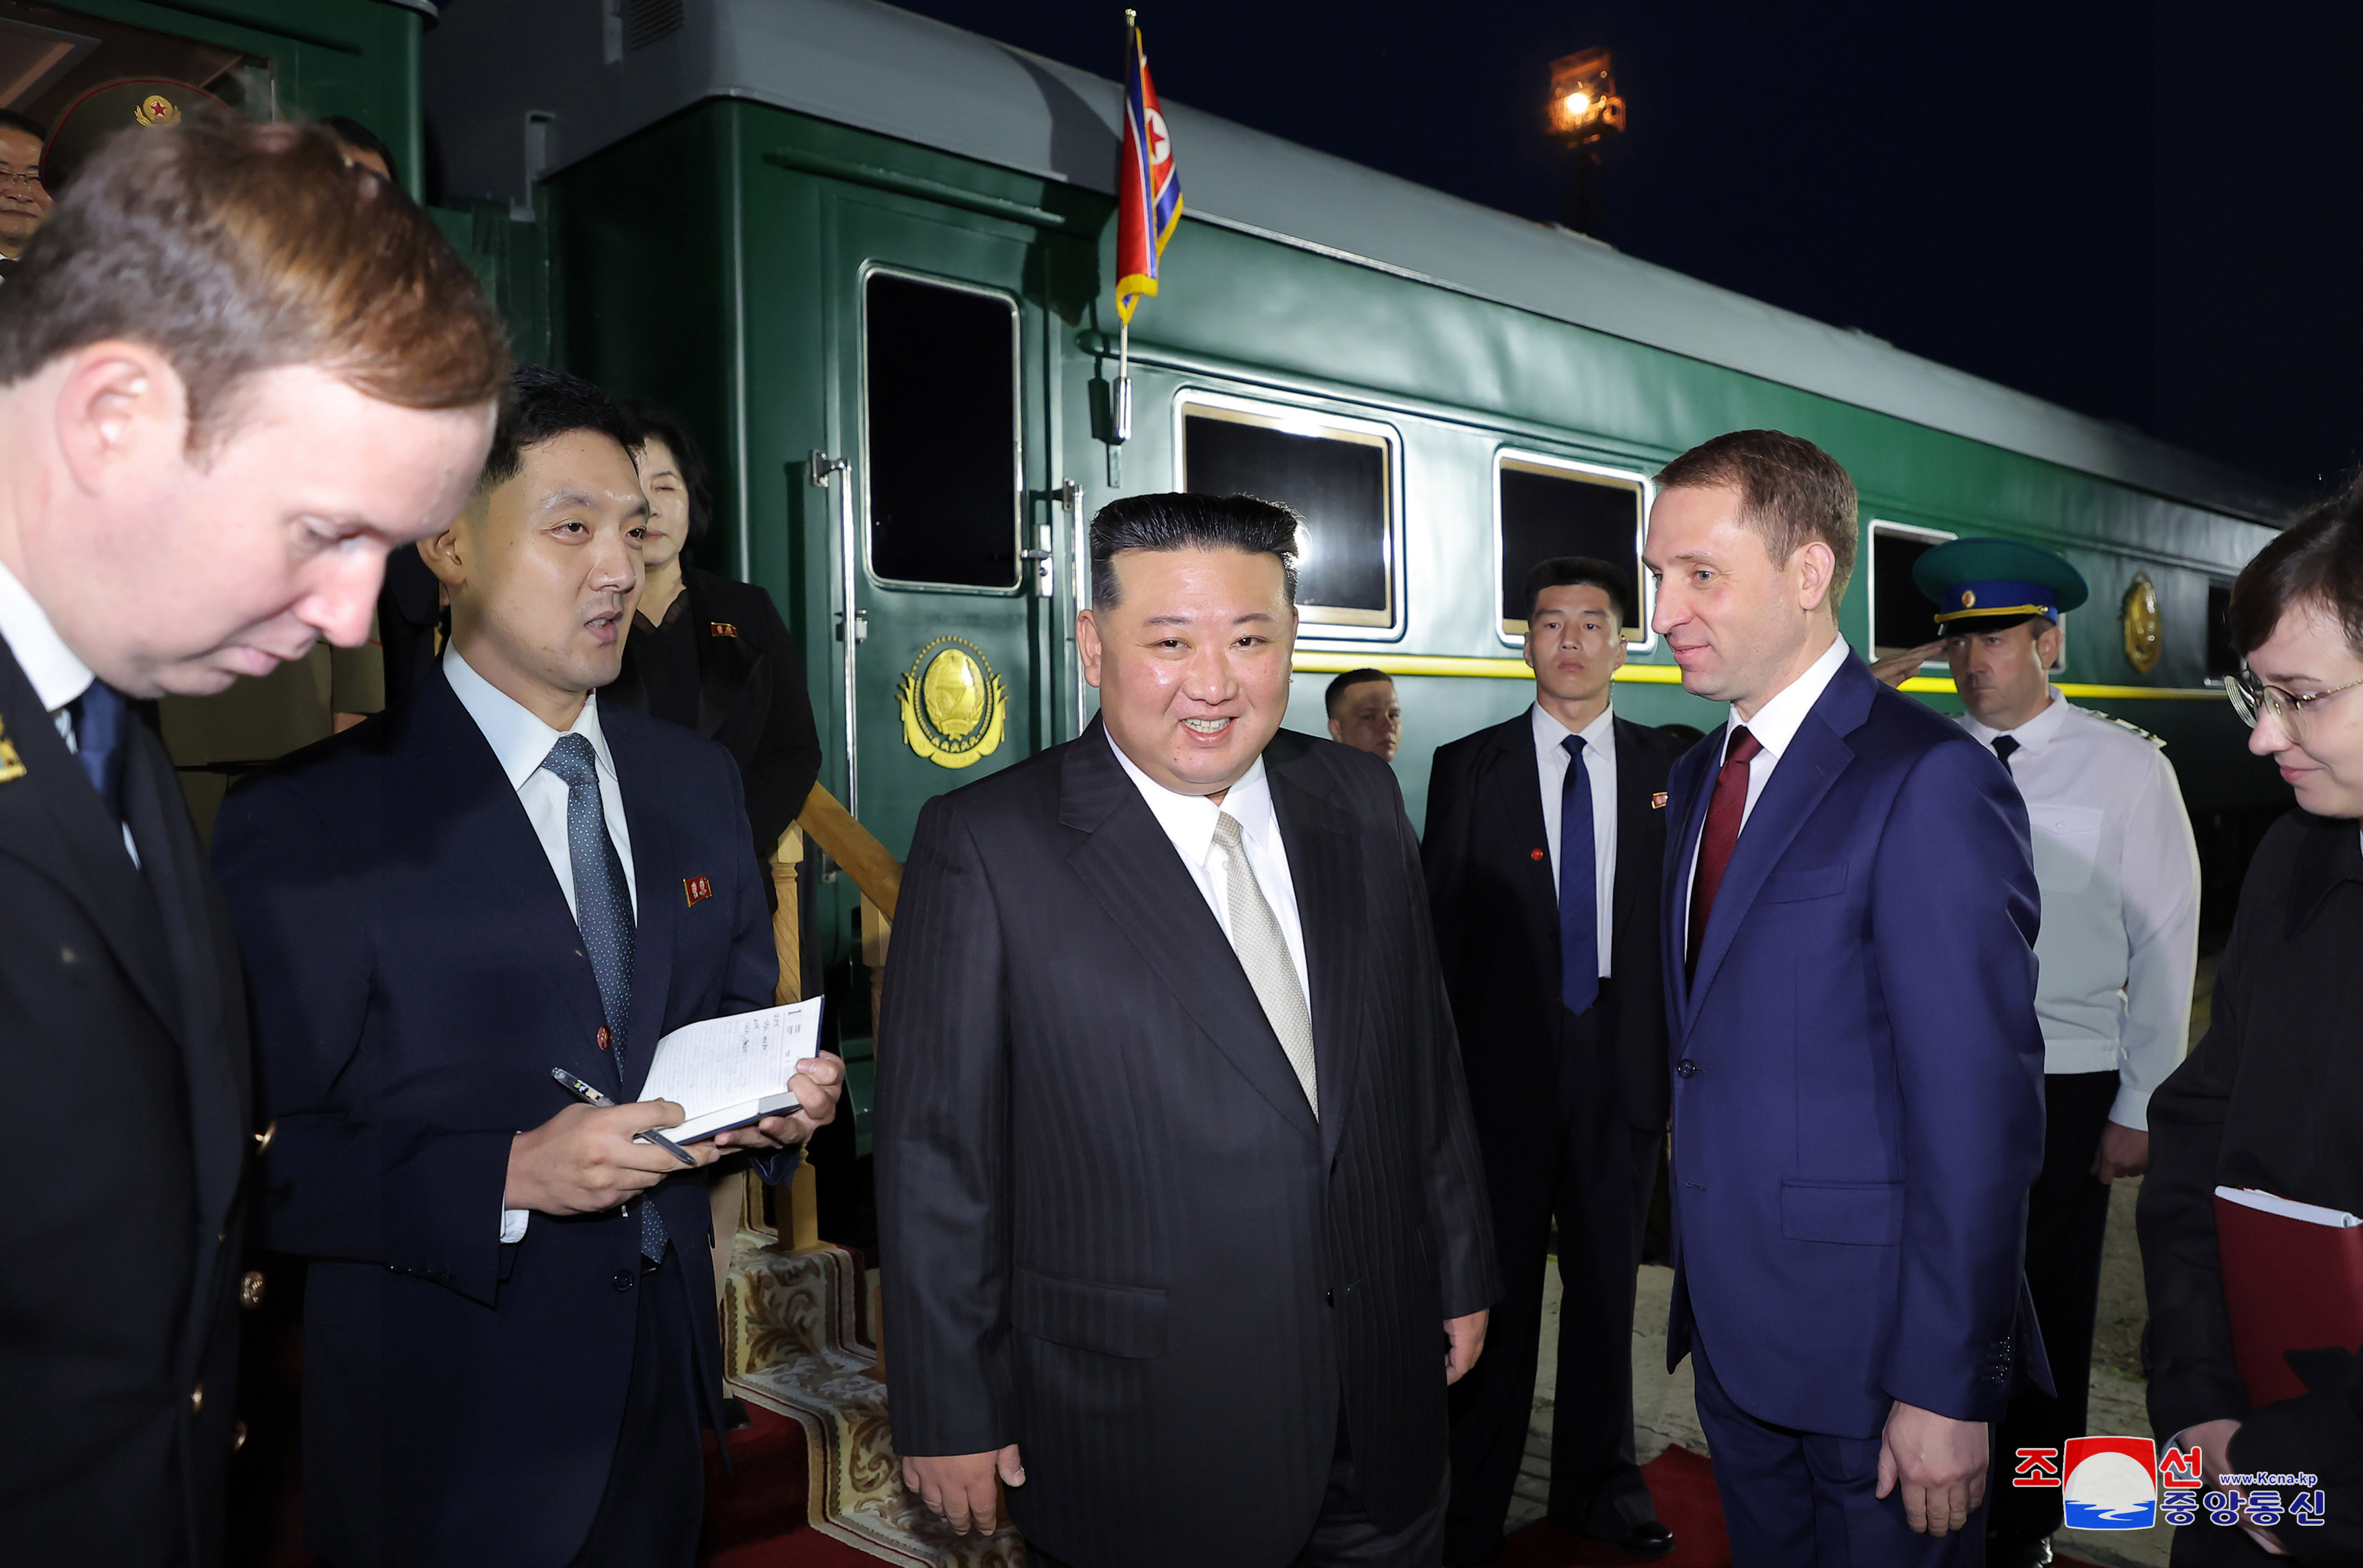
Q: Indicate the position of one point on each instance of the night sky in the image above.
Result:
(2145, 213)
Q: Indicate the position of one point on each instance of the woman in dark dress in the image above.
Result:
(2272, 1097)
(710, 654)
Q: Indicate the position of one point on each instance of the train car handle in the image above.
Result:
(852, 624)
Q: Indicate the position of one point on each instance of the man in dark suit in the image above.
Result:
(210, 433)
(1183, 1223)
(510, 1341)
(1848, 927)
(1549, 943)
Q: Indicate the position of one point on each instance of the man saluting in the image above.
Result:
(1184, 1226)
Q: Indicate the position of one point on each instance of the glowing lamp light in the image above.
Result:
(1583, 105)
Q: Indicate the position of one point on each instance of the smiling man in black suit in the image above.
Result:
(510, 1341)
(1183, 1225)
(1550, 954)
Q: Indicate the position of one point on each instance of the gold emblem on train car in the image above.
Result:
(157, 110)
(954, 706)
(2138, 619)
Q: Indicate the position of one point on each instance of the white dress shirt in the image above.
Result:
(2119, 875)
(55, 671)
(1775, 728)
(1188, 822)
(520, 742)
(1600, 772)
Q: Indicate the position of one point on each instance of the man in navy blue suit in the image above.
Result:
(1848, 925)
(510, 1343)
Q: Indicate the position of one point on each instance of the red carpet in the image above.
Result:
(755, 1511)
(1682, 1485)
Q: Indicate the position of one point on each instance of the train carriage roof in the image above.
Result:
(601, 74)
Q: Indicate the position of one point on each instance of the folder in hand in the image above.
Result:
(728, 1072)
(2293, 1281)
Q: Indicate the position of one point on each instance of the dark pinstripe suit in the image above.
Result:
(1113, 1232)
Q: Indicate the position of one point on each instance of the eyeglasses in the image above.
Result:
(2253, 700)
(31, 182)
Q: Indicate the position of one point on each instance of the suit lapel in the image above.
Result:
(1129, 865)
(174, 870)
(1509, 787)
(1816, 757)
(659, 897)
(1327, 874)
(50, 818)
(1637, 823)
(461, 797)
(1682, 845)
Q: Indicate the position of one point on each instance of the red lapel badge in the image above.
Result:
(1534, 855)
(696, 890)
(603, 1037)
(1657, 802)
(723, 628)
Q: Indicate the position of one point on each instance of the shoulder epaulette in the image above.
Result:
(2130, 729)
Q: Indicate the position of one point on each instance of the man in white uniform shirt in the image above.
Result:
(1549, 943)
(2119, 874)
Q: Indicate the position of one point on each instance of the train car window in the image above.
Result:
(939, 374)
(1901, 617)
(2222, 657)
(1340, 475)
(1547, 507)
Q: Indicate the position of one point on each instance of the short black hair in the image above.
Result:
(361, 139)
(667, 427)
(1176, 520)
(1347, 681)
(11, 121)
(2318, 559)
(541, 406)
(1570, 571)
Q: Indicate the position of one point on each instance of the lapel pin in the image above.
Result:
(696, 890)
(1657, 802)
(12, 766)
(723, 628)
(1534, 855)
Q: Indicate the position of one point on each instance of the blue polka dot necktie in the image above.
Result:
(603, 908)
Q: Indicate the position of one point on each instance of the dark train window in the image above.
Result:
(1338, 477)
(1901, 617)
(941, 370)
(2223, 658)
(1550, 509)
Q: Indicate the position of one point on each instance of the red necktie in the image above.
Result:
(1723, 816)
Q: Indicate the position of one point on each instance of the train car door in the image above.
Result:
(951, 537)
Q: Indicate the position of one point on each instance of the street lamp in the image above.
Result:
(1583, 110)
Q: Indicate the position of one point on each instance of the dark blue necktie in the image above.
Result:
(603, 908)
(1578, 895)
(99, 716)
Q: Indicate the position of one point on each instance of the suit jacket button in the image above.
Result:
(238, 1437)
(1328, 1298)
(1686, 1068)
(625, 1279)
(250, 1290)
(198, 1400)
(263, 1139)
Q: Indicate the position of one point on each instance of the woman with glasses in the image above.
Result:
(2272, 1097)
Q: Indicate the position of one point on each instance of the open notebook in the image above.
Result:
(728, 1072)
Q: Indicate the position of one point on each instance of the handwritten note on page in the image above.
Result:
(728, 1072)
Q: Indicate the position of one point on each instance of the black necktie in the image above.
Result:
(1578, 898)
(2004, 747)
(98, 721)
(603, 908)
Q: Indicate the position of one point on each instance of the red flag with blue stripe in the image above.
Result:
(1149, 194)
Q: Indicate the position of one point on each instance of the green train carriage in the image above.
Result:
(870, 257)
